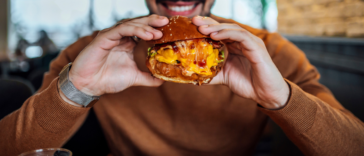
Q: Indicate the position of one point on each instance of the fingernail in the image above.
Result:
(148, 33)
(213, 34)
(199, 17)
(161, 17)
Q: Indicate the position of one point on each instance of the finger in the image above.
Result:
(222, 77)
(152, 20)
(156, 33)
(199, 20)
(146, 79)
(130, 28)
(238, 35)
(208, 29)
(111, 38)
(253, 50)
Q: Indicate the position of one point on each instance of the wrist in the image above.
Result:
(280, 101)
(83, 85)
(70, 91)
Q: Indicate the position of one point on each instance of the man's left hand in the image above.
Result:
(249, 70)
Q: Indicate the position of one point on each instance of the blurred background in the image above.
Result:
(33, 32)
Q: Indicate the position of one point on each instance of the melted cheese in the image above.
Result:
(166, 55)
(196, 56)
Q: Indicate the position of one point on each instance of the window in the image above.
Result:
(64, 21)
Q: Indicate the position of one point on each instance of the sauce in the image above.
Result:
(192, 46)
(215, 44)
(202, 63)
(159, 46)
(175, 48)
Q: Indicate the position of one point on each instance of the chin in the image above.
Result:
(184, 55)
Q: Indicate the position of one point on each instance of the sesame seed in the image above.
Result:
(171, 34)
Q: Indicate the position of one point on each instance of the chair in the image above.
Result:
(13, 93)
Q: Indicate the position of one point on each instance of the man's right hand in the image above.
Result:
(107, 64)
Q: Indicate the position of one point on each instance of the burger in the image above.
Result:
(184, 55)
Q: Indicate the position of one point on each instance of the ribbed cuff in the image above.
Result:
(299, 112)
(52, 113)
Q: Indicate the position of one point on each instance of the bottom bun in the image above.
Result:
(173, 73)
(179, 80)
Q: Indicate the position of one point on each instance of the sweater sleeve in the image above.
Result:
(312, 118)
(43, 121)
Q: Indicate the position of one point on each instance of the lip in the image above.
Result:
(180, 8)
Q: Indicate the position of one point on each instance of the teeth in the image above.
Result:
(180, 8)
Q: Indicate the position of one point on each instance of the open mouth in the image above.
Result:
(180, 8)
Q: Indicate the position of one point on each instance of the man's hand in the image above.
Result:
(249, 70)
(107, 64)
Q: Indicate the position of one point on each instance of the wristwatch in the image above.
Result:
(70, 91)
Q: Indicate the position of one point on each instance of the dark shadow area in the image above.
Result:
(13, 93)
(89, 139)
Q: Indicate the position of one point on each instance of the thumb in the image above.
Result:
(218, 79)
(146, 79)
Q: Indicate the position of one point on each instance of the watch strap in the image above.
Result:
(70, 91)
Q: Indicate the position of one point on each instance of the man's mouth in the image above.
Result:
(180, 7)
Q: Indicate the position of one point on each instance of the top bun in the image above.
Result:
(178, 28)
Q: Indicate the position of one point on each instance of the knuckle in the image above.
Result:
(137, 29)
(121, 26)
(146, 27)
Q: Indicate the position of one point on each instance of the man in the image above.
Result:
(265, 76)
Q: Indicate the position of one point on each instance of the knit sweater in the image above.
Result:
(179, 119)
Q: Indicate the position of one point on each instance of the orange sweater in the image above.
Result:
(179, 119)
